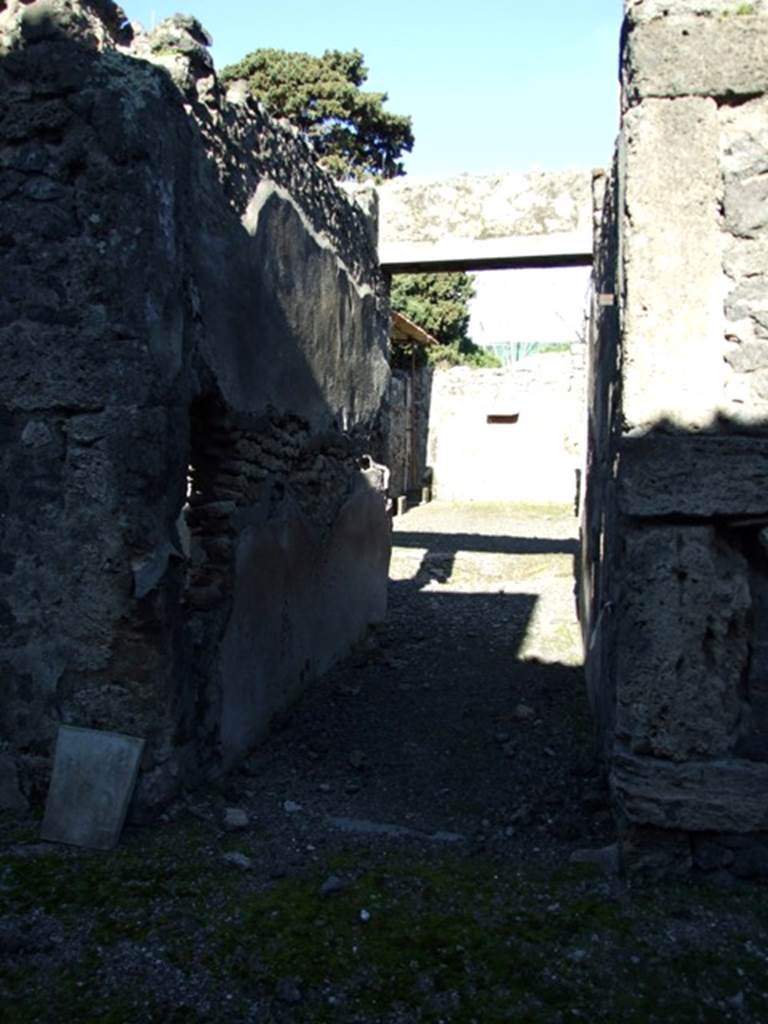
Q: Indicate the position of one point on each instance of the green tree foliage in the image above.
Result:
(437, 302)
(352, 134)
(440, 304)
(354, 137)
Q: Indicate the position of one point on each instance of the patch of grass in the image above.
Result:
(495, 947)
(154, 866)
(71, 992)
(446, 936)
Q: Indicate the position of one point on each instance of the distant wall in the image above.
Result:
(509, 435)
(194, 331)
(674, 580)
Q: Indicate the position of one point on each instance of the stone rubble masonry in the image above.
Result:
(673, 587)
(484, 206)
(194, 327)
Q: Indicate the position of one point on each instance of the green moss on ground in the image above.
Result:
(451, 938)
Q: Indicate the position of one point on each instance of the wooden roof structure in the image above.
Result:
(405, 332)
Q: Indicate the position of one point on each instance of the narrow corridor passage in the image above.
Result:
(399, 851)
(465, 712)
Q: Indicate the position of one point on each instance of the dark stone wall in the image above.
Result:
(194, 337)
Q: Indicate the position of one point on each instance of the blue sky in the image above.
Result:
(490, 85)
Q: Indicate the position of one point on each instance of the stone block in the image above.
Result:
(682, 642)
(717, 795)
(94, 775)
(746, 205)
(485, 207)
(673, 316)
(693, 475)
(749, 298)
(746, 257)
(744, 138)
(684, 56)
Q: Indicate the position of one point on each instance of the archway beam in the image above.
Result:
(562, 249)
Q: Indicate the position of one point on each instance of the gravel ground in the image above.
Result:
(406, 846)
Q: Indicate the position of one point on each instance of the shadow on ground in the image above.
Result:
(436, 722)
(400, 851)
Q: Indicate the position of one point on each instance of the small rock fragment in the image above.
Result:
(357, 759)
(524, 815)
(291, 807)
(235, 819)
(736, 1002)
(523, 712)
(237, 860)
(446, 837)
(333, 884)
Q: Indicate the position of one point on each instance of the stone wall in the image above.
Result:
(526, 218)
(194, 334)
(674, 577)
(514, 434)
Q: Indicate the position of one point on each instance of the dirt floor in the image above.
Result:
(408, 846)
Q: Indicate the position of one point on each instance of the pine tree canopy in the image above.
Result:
(349, 129)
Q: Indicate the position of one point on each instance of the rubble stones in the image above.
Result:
(235, 819)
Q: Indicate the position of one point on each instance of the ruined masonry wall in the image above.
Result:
(674, 583)
(194, 331)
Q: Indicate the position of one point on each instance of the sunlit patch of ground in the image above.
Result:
(448, 564)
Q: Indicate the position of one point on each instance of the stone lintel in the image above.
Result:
(561, 249)
(718, 796)
(697, 56)
(696, 475)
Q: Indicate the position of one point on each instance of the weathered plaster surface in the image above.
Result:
(535, 458)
